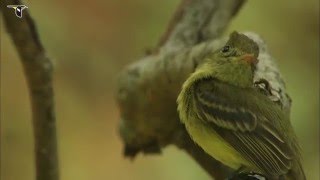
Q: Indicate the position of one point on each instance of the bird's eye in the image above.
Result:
(225, 49)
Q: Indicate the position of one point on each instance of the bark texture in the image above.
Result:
(38, 72)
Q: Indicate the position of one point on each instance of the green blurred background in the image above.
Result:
(91, 42)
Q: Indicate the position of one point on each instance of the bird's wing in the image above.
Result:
(250, 133)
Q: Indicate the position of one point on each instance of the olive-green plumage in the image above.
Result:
(232, 120)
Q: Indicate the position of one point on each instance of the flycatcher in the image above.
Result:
(232, 120)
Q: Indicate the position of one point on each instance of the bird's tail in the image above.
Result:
(296, 173)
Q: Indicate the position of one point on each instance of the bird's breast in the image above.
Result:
(212, 143)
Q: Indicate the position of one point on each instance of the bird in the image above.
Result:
(232, 121)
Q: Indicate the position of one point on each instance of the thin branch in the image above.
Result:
(178, 14)
(198, 21)
(38, 71)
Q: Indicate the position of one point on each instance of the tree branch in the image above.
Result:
(198, 21)
(38, 71)
(147, 89)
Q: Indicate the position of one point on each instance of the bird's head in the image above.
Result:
(235, 62)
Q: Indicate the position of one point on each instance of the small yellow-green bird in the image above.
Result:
(232, 120)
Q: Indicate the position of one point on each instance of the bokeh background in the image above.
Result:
(91, 41)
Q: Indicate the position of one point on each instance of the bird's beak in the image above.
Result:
(249, 58)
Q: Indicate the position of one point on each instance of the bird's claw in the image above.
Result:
(248, 176)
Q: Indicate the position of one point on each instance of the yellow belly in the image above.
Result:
(215, 146)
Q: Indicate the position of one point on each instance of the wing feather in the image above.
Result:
(252, 134)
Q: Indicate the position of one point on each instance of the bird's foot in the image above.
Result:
(248, 176)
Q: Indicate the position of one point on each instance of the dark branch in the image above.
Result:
(38, 71)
